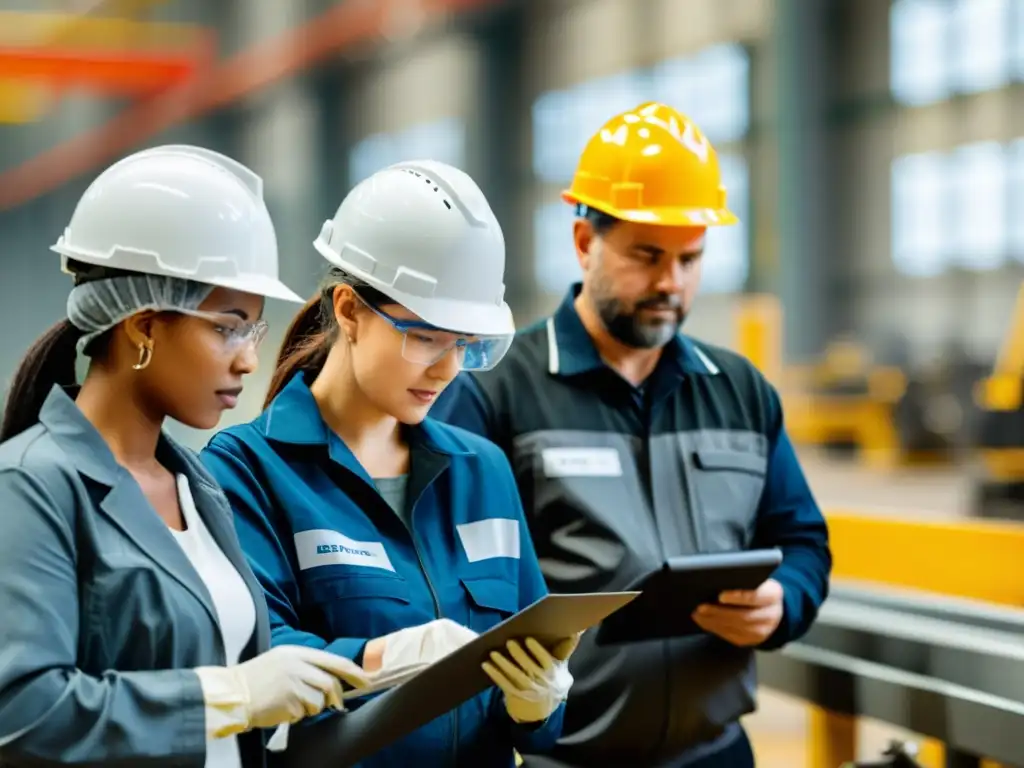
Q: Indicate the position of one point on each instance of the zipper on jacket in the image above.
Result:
(646, 409)
(438, 613)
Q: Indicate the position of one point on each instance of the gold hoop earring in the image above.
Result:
(145, 355)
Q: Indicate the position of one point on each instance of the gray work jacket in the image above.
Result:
(103, 616)
(617, 479)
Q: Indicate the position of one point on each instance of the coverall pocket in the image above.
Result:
(359, 606)
(491, 600)
(728, 486)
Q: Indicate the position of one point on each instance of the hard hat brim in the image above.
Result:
(668, 217)
(471, 318)
(258, 285)
(465, 317)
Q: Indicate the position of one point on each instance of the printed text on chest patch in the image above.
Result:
(581, 462)
(324, 547)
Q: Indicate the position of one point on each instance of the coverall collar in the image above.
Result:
(293, 417)
(571, 351)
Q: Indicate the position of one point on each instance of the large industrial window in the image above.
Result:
(1016, 201)
(942, 47)
(919, 235)
(564, 120)
(919, 57)
(978, 206)
(556, 267)
(964, 209)
(727, 255)
(981, 44)
(712, 87)
(443, 140)
(1017, 40)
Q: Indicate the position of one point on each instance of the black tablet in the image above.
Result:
(671, 594)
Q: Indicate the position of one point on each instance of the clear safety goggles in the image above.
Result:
(424, 344)
(237, 333)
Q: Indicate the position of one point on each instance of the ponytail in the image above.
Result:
(305, 346)
(310, 336)
(50, 360)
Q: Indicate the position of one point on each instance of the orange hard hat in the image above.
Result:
(652, 165)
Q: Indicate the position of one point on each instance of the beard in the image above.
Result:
(629, 327)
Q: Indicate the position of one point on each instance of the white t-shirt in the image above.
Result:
(236, 613)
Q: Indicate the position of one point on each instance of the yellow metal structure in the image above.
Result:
(864, 421)
(22, 102)
(976, 559)
(832, 738)
(759, 333)
(1003, 393)
(917, 555)
(26, 102)
(92, 32)
(815, 417)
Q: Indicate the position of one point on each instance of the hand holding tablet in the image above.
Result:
(743, 617)
(671, 596)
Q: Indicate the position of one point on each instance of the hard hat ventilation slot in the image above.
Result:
(430, 183)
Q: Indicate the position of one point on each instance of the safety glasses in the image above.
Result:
(424, 344)
(236, 332)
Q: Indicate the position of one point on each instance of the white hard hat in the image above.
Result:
(179, 211)
(423, 234)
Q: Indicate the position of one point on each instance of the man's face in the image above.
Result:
(641, 278)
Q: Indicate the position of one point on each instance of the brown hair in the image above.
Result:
(312, 333)
(50, 360)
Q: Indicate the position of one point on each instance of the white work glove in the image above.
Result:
(283, 685)
(535, 681)
(406, 652)
(422, 645)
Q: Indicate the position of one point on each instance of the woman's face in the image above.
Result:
(401, 387)
(199, 361)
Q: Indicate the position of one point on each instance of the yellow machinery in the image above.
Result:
(999, 437)
(844, 400)
(892, 414)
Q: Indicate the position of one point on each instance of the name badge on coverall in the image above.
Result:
(581, 462)
(324, 547)
(487, 539)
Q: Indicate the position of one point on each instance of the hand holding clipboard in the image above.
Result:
(346, 739)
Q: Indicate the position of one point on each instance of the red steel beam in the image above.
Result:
(122, 73)
(347, 24)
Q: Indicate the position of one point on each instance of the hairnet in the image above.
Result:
(97, 306)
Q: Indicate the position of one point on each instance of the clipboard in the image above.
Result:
(672, 593)
(347, 738)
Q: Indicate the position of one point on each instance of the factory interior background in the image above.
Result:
(873, 149)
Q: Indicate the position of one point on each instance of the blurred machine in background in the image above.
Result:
(885, 411)
(999, 437)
